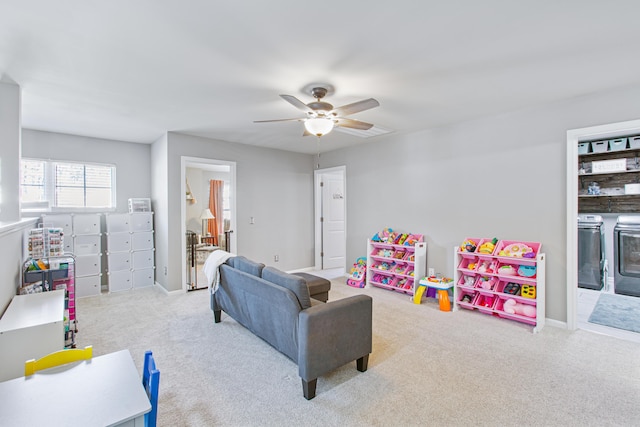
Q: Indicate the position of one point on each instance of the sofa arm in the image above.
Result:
(333, 334)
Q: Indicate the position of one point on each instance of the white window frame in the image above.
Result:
(50, 188)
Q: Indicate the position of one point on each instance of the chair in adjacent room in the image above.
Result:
(151, 383)
(61, 357)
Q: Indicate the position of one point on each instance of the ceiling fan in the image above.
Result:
(322, 117)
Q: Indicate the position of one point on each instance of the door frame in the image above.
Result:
(196, 162)
(317, 175)
(574, 136)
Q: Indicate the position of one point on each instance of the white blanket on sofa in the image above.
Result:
(211, 268)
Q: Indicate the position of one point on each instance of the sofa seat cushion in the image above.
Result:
(319, 287)
(246, 265)
(295, 284)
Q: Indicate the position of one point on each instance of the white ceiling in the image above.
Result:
(132, 70)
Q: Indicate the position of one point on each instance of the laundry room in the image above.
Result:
(609, 236)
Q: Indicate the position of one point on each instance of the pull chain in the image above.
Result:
(318, 145)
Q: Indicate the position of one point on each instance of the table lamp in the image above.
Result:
(206, 216)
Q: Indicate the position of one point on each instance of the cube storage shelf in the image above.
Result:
(395, 267)
(130, 250)
(486, 281)
(82, 238)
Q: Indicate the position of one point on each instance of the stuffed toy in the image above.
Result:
(512, 307)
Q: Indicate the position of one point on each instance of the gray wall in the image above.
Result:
(502, 176)
(275, 187)
(10, 107)
(132, 161)
(13, 252)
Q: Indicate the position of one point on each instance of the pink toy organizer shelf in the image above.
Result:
(482, 279)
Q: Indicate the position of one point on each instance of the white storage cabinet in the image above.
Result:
(31, 327)
(130, 246)
(87, 247)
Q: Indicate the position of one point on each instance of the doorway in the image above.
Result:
(195, 175)
(330, 218)
(575, 136)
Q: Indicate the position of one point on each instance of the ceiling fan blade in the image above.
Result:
(353, 124)
(356, 107)
(279, 120)
(297, 103)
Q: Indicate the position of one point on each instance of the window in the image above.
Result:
(48, 185)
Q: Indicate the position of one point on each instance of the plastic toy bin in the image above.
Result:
(462, 300)
(462, 251)
(583, 147)
(485, 303)
(468, 283)
(634, 141)
(485, 284)
(480, 243)
(499, 310)
(464, 264)
(514, 249)
(399, 254)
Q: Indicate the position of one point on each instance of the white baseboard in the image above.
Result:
(555, 323)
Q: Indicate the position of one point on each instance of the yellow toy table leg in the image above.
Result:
(443, 297)
(418, 296)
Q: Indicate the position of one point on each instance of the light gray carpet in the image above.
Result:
(427, 367)
(617, 311)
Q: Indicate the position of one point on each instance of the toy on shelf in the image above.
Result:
(486, 283)
(412, 239)
(528, 291)
(487, 266)
(468, 246)
(488, 247)
(527, 270)
(358, 273)
(512, 307)
(512, 288)
(518, 250)
(507, 270)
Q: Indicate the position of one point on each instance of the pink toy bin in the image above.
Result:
(504, 272)
(481, 255)
(464, 264)
(464, 304)
(462, 281)
(410, 256)
(399, 254)
(493, 281)
(499, 310)
(466, 253)
(484, 303)
(511, 244)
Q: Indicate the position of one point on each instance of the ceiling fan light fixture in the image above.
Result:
(319, 126)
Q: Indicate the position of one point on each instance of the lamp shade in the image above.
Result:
(206, 214)
(319, 126)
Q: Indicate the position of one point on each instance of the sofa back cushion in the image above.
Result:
(295, 284)
(246, 265)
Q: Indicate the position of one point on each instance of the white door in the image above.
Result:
(332, 221)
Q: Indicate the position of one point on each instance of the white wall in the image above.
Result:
(132, 160)
(500, 176)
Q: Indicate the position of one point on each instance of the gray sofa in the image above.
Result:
(319, 337)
